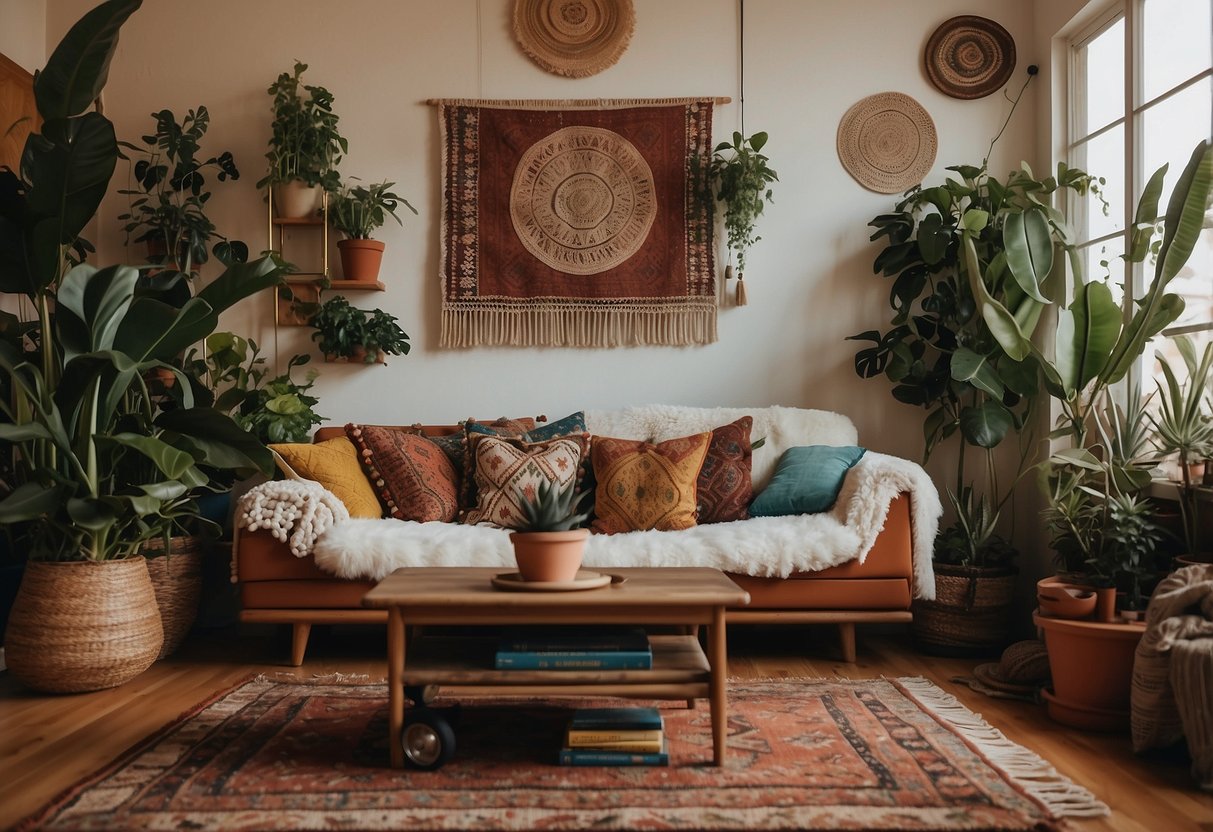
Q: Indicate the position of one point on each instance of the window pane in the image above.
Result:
(1171, 129)
(1103, 265)
(1103, 156)
(1177, 43)
(1101, 61)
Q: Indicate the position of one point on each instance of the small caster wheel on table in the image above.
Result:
(427, 739)
(421, 694)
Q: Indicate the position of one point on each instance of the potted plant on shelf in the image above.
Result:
(98, 457)
(357, 212)
(357, 335)
(741, 178)
(168, 211)
(549, 544)
(1183, 427)
(305, 145)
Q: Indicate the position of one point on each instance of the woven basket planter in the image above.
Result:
(177, 581)
(83, 625)
(971, 614)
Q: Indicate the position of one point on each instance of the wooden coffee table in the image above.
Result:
(464, 596)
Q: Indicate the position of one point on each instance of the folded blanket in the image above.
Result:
(761, 546)
(1173, 670)
(300, 508)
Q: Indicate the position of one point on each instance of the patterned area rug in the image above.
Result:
(803, 754)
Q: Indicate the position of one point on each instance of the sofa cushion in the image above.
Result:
(508, 472)
(807, 480)
(512, 428)
(724, 489)
(415, 479)
(333, 464)
(570, 425)
(641, 486)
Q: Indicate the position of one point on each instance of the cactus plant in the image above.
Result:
(553, 508)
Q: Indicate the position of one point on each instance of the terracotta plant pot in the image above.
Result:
(295, 199)
(360, 259)
(1092, 668)
(1063, 601)
(549, 556)
(357, 356)
(83, 625)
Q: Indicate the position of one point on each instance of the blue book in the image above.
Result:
(575, 660)
(573, 640)
(618, 719)
(589, 757)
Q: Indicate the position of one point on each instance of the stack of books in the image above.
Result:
(571, 649)
(615, 737)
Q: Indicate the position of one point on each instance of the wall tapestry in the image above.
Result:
(576, 223)
(576, 38)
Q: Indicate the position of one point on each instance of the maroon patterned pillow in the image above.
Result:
(724, 488)
(412, 476)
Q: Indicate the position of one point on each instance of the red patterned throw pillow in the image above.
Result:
(412, 476)
(509, 471)
(724, 488)
(643, 486)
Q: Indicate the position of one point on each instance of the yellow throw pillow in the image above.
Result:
(643, 486)
(334, 464)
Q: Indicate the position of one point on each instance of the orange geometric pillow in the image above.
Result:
(415, 479)
(642, 486)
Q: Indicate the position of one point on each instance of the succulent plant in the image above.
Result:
(553, 508)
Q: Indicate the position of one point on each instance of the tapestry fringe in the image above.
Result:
(571, 103)
(1034, 775)
(578, 327)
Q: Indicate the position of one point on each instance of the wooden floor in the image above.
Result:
(47, 743)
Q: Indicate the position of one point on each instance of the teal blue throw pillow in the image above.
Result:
(807, 480)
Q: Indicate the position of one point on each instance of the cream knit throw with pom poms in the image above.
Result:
(301, 508)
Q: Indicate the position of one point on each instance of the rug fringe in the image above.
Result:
(334, 678)
(1031, 772)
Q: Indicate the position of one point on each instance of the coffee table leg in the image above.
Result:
(718, 656)
(395, 684)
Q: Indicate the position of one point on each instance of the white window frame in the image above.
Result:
(1132, 12)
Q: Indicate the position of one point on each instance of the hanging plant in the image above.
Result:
(742, 180)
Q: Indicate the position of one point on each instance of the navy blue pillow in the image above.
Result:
(807, 480)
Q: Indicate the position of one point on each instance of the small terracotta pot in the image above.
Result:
(1062, 601)
(361, 259)
(549, 556)
(1105, 604)
(295, 199)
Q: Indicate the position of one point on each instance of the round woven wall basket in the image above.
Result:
(969, 57)
(177, 581)
(971, 614)
(83, 625)
(887, 142)
(575, 38)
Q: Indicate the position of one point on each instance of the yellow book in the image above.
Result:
(616, 740)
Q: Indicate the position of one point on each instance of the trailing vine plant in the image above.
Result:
(741, 178)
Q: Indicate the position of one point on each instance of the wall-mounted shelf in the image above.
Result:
(343, 285)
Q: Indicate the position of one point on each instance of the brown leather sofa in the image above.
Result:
(277, 587)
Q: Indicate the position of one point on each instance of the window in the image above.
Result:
(1141, 94)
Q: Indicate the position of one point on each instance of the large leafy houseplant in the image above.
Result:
(168, 209)
(741, 179)
(305, 144)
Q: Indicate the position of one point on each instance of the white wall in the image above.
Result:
(810, 279)
(23, 32)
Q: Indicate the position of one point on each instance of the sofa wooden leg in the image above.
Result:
(846, 638)
(299, 636)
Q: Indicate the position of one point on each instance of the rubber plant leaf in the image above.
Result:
(218, 441)
(1029, 250)
(985, 425)
(77, 70)
(1002, 324)
(973, 368)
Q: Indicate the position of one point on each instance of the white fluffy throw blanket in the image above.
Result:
(763, 546)
(301, 508)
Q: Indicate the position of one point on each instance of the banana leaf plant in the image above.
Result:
(95, 461)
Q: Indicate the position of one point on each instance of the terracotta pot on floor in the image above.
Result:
(360, 259)
(1092, 666)
(549, 556)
